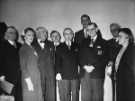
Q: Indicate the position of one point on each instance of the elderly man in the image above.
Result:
(113, 51)
(81, 34)
(67, 68)
(45, 51)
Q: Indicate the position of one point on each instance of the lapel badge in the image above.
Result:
(90, 45)
(35, 53)
(100, 52)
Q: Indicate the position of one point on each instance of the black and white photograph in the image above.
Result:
(67, 50)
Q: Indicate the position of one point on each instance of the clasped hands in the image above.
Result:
(89, 68)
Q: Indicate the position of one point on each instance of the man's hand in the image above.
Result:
(58, 76)
(110, 63)
(2, 78)
(108, 70)
(89, 69)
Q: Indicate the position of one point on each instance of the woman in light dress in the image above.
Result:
(31, 82)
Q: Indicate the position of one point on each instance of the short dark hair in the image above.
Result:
(54, 31)
(87, 16)
(29, 29)
(128, 32)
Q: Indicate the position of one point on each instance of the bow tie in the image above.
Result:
(42, 42)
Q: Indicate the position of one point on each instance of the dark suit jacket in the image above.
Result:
(126, 75)
(96, 56)
(66, 61)
(79, 37)
(46, 58)
(114, 49)
(55, 48)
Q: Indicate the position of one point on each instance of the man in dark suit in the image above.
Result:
(81, 34)
(45, 51)
(67, 68)
(113, 43)
(93, 58)
(9, 61)
(114, 48)
(56, 41)
(125, 66)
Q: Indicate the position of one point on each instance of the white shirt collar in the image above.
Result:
(94, 39)
(56, 43)
(39, 40)
(11, 42)
(68, 43)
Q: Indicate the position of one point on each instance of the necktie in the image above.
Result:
(85, 33)
(41, 41)
(91, 43)
(68, 44)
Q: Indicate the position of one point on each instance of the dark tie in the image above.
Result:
(41, 41)
(91, 43)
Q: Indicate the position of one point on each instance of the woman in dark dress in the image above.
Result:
(125, 67)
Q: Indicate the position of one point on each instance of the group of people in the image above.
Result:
(75, 67)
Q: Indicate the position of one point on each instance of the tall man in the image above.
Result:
(113, 43)
(93, 60)
(44, 49)
(81, 34)
(67, 68)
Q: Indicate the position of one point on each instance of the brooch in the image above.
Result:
(35, 53)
